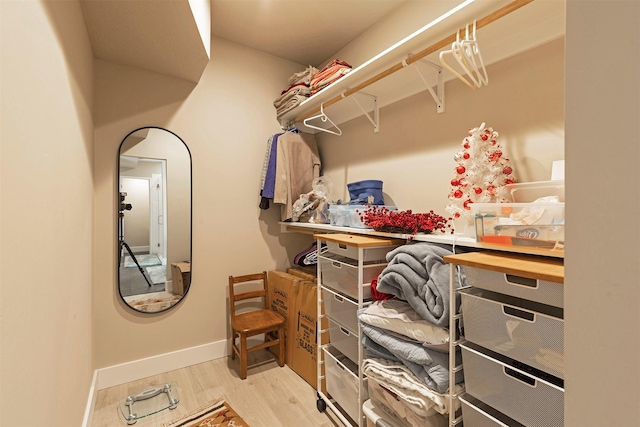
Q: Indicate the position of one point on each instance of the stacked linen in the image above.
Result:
(428, 365)
(406, 339)
(394, 386)
(290, 98)
(416, 273)
(297, 91)
(328, 74)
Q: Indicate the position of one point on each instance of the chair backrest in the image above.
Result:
(234, 296)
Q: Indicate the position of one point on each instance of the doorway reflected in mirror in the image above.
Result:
(154, 220)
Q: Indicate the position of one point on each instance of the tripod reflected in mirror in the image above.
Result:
(126, 207)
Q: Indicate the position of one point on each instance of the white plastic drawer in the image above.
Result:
(372, 254)
(517, 394)
(342, 383)
(528, 332)
(341, 309)
(344, 340)
(541, 291)
(342, 276)
(476, 413)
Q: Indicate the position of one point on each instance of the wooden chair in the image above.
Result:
(256, 322)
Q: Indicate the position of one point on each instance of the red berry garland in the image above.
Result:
(383, 219)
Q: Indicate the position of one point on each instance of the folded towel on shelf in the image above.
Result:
(398, 316)
(417, 274)
(398, 379)
(328, 74)
(291, 103)
(299, 89)
(429, 366)
(303, 76)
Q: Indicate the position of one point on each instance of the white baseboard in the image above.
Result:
(91, 401)
(142, 368)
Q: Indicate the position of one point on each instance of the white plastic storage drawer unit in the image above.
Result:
(525, 397)
(344, 340)
(542, 291)
(342, 382)
(476, 413)
(346, 271)
(348, 247)
(341, 274)
(340, 309)
(525, 331)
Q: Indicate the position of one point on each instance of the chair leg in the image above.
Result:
(281, 353)
(233, 344)
(243, 356)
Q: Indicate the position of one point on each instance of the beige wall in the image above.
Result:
(413, 152)
(46, 195)
(602, 292)
(225, 120)
(47, 333)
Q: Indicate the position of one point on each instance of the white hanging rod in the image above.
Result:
(447, 41)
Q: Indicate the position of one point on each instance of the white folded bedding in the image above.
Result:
(398, 316)
(398, 379)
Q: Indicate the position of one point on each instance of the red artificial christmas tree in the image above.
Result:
(481, 171)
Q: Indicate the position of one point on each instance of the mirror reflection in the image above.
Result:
(154, 219)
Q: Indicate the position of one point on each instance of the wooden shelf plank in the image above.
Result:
(529, 266)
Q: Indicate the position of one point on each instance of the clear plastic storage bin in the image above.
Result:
(519, 224)
(376, 254)
(342, 382)
(341, 274)
(340, 309)
(344, 340)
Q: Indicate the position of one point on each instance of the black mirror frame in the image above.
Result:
(117, 204)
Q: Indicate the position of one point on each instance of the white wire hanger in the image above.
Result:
(467, 54)
(454, 52)
(324, 118)
(470, 52)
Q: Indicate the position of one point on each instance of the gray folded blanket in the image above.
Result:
(417, 274)
(430, 366)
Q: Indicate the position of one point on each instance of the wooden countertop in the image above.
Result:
(359, 241)
(530, 266)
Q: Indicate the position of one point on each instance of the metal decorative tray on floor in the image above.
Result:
(149, 402)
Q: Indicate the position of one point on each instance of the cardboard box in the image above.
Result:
(305, 351)
(180, 277)
(281, 298)
(304, 274)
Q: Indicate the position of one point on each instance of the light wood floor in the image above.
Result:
(271, 396)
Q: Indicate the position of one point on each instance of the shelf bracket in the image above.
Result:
(375, 121)
(438, 94)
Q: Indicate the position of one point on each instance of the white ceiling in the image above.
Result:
(307, 32)
(162, 36)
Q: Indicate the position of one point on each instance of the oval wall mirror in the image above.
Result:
(154, 219)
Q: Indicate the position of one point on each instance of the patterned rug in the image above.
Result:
(218, 414)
